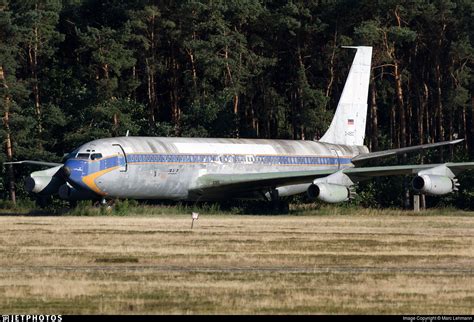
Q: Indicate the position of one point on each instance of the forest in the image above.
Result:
(75, 70)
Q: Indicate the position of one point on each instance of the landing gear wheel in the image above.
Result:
(277, 205)
(104, 202)
(110, 203)
(274, 200)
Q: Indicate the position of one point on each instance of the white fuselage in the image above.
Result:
(167, 168)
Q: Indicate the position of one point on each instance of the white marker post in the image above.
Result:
(195, 216)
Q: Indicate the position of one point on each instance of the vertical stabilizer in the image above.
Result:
(348, 125)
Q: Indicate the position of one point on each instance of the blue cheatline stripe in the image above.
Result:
(89, 167)
(239, 159)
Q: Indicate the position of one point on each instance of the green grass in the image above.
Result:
(359, 263)
(134, 208)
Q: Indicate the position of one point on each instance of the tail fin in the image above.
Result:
(348, 125)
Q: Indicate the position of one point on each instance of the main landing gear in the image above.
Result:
(277, 205)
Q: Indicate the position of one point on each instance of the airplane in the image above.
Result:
(212, 169)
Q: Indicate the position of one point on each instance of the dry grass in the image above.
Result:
(371, 263)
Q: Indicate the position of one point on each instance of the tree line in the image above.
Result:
(76, 70)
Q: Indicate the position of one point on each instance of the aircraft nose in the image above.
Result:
(66, 171)
(73, 171)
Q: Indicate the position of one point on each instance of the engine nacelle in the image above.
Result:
(331, 193)
(67, 192)
(434, 184)
(44, 185)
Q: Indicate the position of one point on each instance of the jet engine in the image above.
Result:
(67, 192)
(434, 184)
(44, 185)
(331, 193)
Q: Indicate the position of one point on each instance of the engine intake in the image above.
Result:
(44, 185)
(434, 184)
(330, 193)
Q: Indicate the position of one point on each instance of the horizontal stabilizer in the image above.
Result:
(48, 164)
(386, 153)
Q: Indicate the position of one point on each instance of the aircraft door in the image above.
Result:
(337, 155)
(121, 157)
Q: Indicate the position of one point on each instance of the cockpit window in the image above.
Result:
(84, 156)
(96, 156)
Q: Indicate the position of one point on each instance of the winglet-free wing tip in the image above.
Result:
(355, 47)
(457, 141)
(386, 153)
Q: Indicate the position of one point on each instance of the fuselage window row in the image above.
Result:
(280, 160)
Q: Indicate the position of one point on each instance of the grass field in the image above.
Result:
(362, 263)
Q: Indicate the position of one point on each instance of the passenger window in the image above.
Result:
(96, 156)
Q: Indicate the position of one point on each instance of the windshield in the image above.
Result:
(83, 156)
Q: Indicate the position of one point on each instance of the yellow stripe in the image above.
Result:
(90, 180)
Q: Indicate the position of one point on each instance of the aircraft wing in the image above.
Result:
(386, 153)
(49, 164)
(221, 184)
(224, 184)
(370, 172)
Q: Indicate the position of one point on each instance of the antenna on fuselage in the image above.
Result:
(128, 132)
